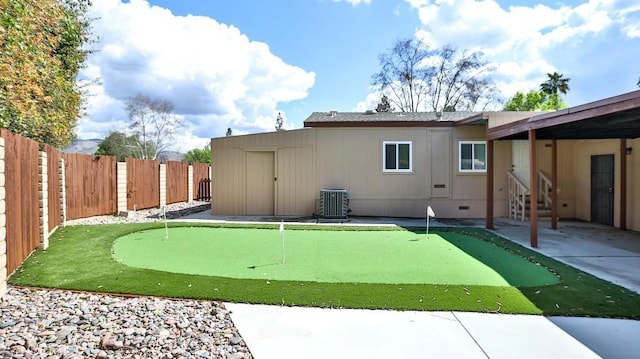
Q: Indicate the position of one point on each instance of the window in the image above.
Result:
(473, 156)
(396, 156)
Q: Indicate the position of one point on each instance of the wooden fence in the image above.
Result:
(201, 182)
(90, 184)
(143, 183)
(21, 158)
(177, 182)
(35, 204)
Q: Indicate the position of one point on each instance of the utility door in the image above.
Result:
(260, 183)
(602, 177)
(520, 158)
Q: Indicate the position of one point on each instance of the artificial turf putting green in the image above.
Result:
(392, 257)
(81, 258)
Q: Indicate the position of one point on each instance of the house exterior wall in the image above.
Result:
(309, 160)
(294, 183)
(580, 156)
(574, 176)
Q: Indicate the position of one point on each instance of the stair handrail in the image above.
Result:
(517, 197)
(544, 188)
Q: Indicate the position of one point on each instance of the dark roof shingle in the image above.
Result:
(385, 119)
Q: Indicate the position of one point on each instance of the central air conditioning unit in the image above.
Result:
(334, 203)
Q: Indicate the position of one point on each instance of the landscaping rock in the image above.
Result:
(36, 326)
(173, 211)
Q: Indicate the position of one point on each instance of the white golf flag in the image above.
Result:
(430, 212)
(281, 227)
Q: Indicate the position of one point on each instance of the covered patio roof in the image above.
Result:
(611, 118)
(614, 117)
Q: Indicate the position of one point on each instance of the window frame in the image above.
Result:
(473, 151)
(384, 157)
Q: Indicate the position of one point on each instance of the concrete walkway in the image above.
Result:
(614, 255)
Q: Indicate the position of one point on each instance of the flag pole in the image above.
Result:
(430, 213)
(427, 224)
(284, 254)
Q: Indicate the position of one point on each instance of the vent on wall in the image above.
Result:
(333, 203)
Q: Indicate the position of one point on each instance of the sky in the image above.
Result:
(237, 64)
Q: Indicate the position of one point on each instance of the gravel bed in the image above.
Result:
(173, 211)
(44, 323)
(63, 324)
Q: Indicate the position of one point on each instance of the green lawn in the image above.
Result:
(509, 278)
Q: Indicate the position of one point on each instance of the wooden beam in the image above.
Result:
(554, 184)
(623, 184)
(533, 192)
(490, 175)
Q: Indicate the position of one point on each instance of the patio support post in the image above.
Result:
(533, 193)
(554, 184)
(623, 184)
(489, 223)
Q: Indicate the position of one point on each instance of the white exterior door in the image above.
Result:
(520, 158)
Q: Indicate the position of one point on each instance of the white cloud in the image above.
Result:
(214, 75)
(526, 42)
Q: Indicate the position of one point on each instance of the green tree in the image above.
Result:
(533, 101)
(556, 83)
(43, 46)
(121, 146)
(202, 155)
(384, 105)
(415, 77)
(279, 122)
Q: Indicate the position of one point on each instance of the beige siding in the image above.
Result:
(296, 181)
(293, 151)
(309, 160)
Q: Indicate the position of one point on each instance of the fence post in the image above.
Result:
(163, 185)
(3, 224)
(190, 184)
(63, 193)
(121, 188)
(43, 199)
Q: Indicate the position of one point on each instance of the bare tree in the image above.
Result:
(154, 122)
(416, 77)
(402, 74)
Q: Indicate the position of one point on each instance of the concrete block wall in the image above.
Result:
(3, 223)
(163, 185)
(121, 188)
(190, 184)
(43, 200)
(63, 193)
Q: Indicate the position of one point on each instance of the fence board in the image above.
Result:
(177, 179)
(21, 196)
(143, 183)
(90, 183)
(53, 173)
(201, 182)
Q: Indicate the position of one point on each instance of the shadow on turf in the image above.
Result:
(479, 249)
(576, 294)
(263, 265)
